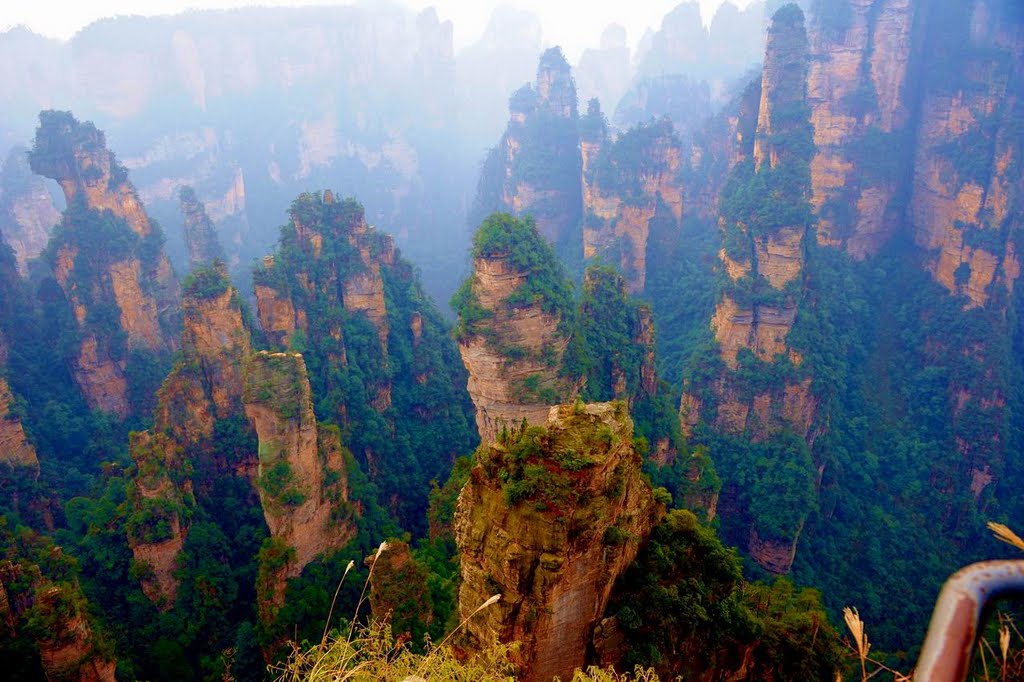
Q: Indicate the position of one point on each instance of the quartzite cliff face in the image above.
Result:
(857, 90)
(15, 449)
(345, 257)
(40, 593)
(764, 220)
(554, 536)
(541, 152)
(566, 171)
(338, 291)
(108, 259)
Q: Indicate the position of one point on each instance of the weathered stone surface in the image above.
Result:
(140, 281)
(497, 382)
(554, 561)
(206, 385)
(618, 218)
(296, 458)
(161, 493)
(201, 241)
(772, 555)
(15, 449)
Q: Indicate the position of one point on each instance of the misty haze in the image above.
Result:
(378, 342)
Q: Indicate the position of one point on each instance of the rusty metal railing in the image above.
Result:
(959, 615)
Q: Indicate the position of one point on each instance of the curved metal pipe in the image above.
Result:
(959, 614)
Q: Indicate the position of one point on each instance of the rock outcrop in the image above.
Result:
(201, 241)
(764, 262)
(967, 154)
(632, 194)
(303, 483)
(345, 260)
(338, 291)
(550, 517)
(108, 259)
(162, 502)
(513, 334)
(15, 448)
(27, 213)
(205, 386)
(38, 594)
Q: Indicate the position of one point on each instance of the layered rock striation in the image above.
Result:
(857, 90)
(204, 387)
(550, 517)
(514, 327)
(382, 365)
(765, 217)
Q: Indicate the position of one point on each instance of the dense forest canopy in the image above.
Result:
(681, 373)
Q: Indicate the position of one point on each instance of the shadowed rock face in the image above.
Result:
(855, 87)
(967, 157)
(15, 450)
(68, 646)
(764, 265)
(107, 253)
(27, 213)
(346, 257)
(554, 547)
(623, 197)
(200, 235)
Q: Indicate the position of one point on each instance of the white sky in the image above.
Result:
(573, 24)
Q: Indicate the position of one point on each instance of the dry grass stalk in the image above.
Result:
(493, 599)
(1006, 535)
(362, 595)
(856, 626)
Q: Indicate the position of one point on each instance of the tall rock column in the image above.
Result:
(632, 194)
(302, 481)
(108, 258)
(535, 169)
(514, 326)
(857, 88)
(967, 182)
(757, 386)
(550, 518)
(205, 386)
(200, 234)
